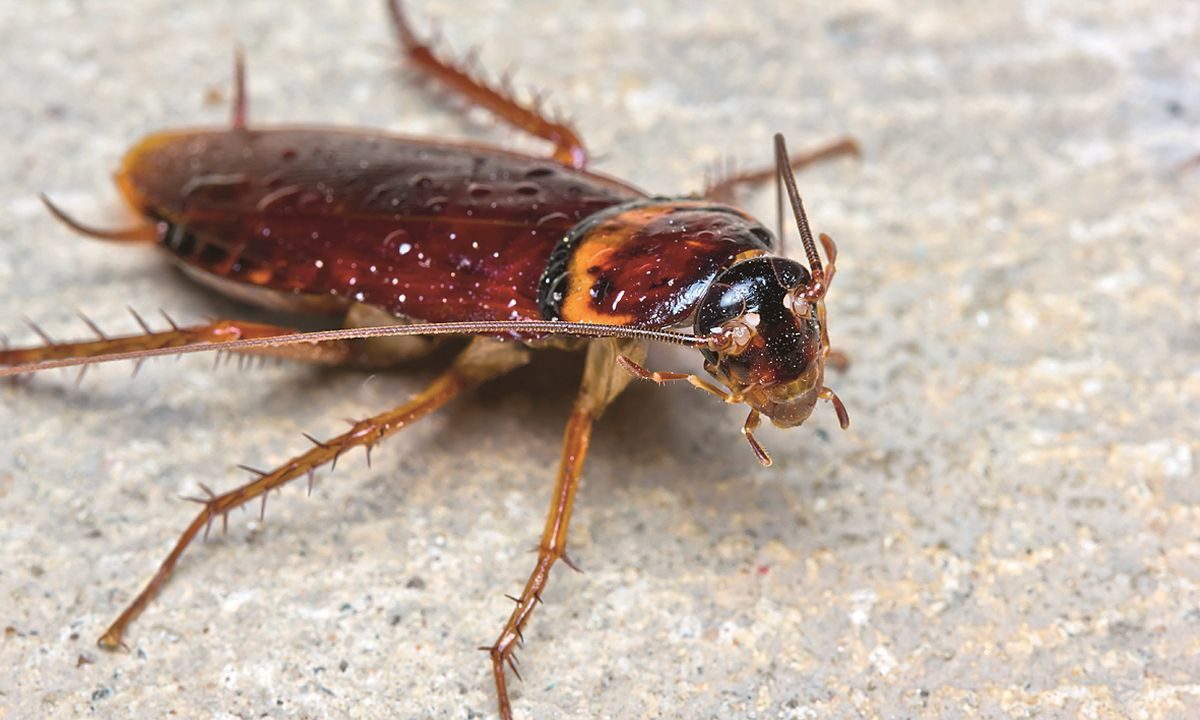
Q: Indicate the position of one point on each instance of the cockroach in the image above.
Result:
(413, 240)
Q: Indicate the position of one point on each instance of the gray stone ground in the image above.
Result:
(1009, 529)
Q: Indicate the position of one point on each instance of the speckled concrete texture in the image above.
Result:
(1011, 527)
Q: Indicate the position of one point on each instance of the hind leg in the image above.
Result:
(482, 360)
(568, 147)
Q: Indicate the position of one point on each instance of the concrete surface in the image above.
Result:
(1009, 529)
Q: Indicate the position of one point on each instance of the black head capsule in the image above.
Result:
(770, 342)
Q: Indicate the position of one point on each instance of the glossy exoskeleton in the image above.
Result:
(412, 240)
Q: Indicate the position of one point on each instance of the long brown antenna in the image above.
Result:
(484, 327)
(779, 228)
(784, 168)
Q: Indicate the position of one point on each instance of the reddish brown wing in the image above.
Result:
(437, 232)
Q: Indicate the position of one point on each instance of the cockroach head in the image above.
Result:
(768, 337)
(765, 320)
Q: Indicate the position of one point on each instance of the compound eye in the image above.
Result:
(737, 334)
(798, 303)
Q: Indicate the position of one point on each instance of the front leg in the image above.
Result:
(602, 382)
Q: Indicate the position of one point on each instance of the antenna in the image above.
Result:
(779, 228)
(233, 343)
(783, 168)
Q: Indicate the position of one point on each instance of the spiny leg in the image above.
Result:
(568, 147)
(482, 360)
(722, 187)
(601, 384)
(216, 332)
